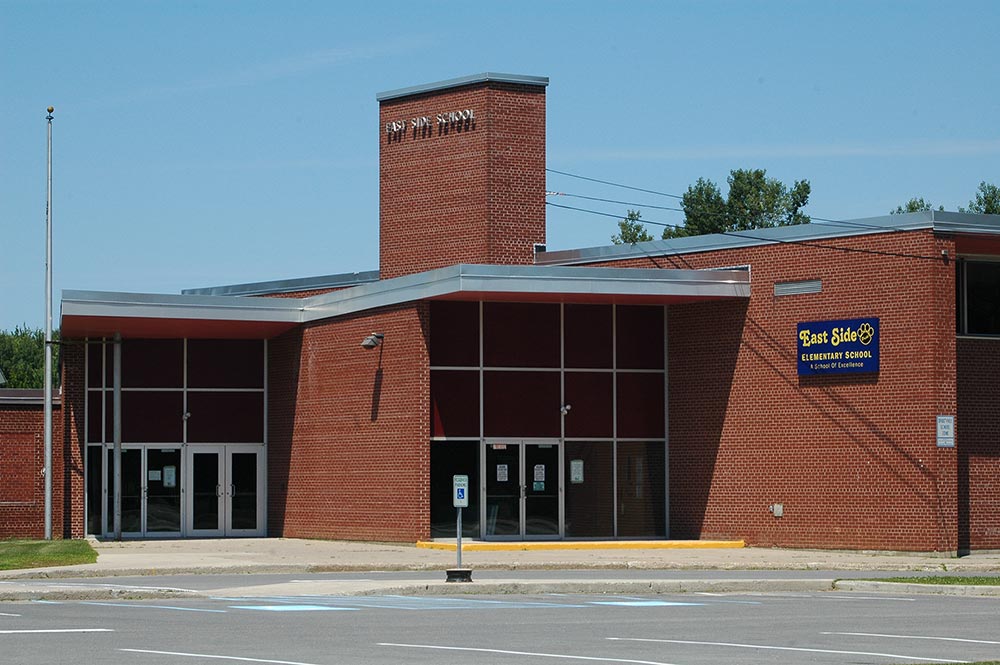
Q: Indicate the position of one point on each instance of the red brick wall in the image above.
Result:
(22, 507)
(465, 192)
(22, 459)
(852, 458)
(22, 484)
(72, 492)
(978, 431)
(349, 429)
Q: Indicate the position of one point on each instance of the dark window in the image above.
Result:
(94, 490)
(591, 413)
(640, 405)
(589, 483)
(639, 340)
(152, 417)
(222, 417)
(96, 409)
(225, 363)
(521, 404)
(588, 332)
(641, 493)
(454, 403)
(520, 335)
(448, 459)
(100, 357)
(454, 334)
(982, 304)
(152, 363)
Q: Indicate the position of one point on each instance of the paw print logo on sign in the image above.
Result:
(865, 333)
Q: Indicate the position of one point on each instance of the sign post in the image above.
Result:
(459, 499)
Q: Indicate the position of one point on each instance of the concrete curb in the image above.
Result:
(907, 588)
(602, 587)
(563, 545)
(442, 588)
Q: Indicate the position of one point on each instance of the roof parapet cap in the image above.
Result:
(485, 77)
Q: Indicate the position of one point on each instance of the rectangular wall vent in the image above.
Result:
(798, 288)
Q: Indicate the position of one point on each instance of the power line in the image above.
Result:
(743, 234)
(615, 184)
(678, 196)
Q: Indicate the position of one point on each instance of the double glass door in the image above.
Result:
(522, 490)
(151, 492)
(224, 495)
(193, 491)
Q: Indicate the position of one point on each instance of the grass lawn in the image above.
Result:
(16, 554)
(975, 580)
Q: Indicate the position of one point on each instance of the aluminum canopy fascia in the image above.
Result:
(167, 306)
(551, 283)
(556, 282)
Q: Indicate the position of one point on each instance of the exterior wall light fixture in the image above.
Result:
(373, 340)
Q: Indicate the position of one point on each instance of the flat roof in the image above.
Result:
(337, 281)
(520, 79)
(25, 397)
(939, 221)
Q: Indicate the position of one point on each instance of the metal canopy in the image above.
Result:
(101, 314)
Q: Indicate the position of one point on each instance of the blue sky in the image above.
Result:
(207, 143)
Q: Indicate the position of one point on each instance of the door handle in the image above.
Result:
(232, 490)
(218, 490)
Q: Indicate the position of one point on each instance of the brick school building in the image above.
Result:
(821, 386)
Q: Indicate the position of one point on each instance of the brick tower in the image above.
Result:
(461, 173)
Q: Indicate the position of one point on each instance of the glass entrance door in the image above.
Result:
(225, 497)
(205, 491)
(523, 489)
(150, 489)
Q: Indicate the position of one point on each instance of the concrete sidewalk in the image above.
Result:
(280, 555)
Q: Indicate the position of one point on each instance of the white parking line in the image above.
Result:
(6, 614)
(209, 655)
(525, 653)
(917, 637)
(777, 648)
(57, 630)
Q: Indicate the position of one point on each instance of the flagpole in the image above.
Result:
(48, 334)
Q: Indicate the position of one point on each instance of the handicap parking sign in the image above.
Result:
(460, 491)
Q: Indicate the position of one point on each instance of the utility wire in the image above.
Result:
(678, 196)
(743, 234)
(615, 184)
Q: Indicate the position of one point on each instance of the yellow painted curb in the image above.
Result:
(479, 546)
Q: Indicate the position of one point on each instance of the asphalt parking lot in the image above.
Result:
(696, 628)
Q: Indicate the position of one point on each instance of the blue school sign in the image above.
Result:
(838, 347)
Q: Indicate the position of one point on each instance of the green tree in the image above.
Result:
(987, 201)
(631, 231)
(22, 358)
(754, 201)
(913, 205)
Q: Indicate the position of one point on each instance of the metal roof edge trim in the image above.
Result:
(931, 219)
(471, 79)
(288, 285)
(164, 306)
(27, 397)
(513, 279)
